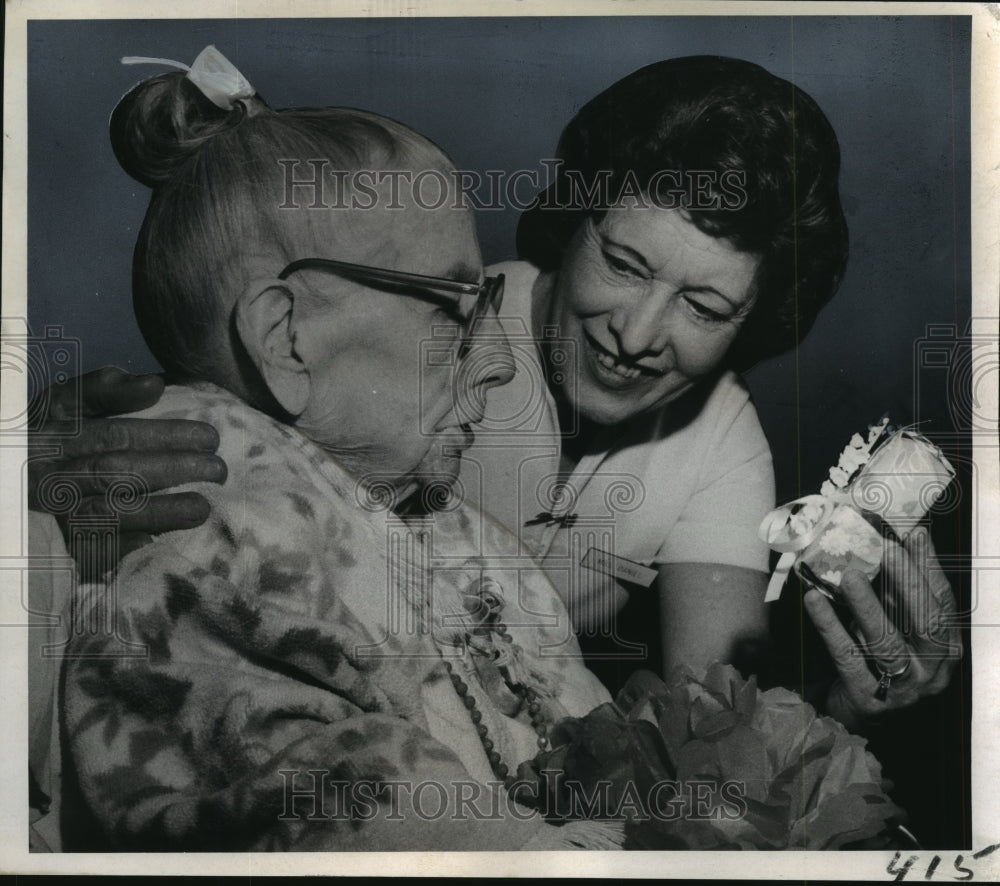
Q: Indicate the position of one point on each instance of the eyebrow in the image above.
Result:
(641, 259)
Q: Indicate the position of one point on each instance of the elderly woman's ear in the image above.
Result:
(267, 321)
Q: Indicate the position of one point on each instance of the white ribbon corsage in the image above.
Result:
(894, 476)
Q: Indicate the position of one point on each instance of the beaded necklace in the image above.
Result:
(491, 639)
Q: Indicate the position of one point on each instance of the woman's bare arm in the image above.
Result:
(712, 612)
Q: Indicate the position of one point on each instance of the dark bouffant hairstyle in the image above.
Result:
(768, 161)
(218, 189)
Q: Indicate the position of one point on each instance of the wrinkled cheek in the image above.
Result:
(440, 385)
(458, 388)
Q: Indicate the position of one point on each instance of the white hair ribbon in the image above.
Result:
(212, 73)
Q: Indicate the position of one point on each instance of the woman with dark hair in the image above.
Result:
(694, 228)
(745, 156)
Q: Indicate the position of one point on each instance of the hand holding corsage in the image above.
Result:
(905, 645)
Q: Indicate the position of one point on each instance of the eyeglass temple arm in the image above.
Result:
(383, 274)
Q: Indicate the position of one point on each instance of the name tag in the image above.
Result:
(618, 567)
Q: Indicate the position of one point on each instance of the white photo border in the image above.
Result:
(985, 183)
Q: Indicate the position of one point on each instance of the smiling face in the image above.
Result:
(652, 303)
(373, 402)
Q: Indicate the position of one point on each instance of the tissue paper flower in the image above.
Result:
(707, 761)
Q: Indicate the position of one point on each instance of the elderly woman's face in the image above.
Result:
(652, 303)
(376, 401)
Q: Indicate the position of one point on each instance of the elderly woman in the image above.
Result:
(695, 228)
(304, 670)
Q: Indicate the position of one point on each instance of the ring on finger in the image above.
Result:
(885, 679)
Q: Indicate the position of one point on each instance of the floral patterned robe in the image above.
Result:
(277, 676)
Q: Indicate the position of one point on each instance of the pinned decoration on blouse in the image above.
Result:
(547, 518)
(483, 644)
(212, 73)
(892, 479)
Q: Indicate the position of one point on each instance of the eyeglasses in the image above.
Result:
(489, 293)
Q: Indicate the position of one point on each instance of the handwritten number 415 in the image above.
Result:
(899, 868)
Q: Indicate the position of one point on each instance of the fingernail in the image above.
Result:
(197, 513)
(206, 469)
(216, 470)
(205, 438)
(150, 382)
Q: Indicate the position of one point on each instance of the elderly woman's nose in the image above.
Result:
(641, 326)
(489, 364)
(491, 361)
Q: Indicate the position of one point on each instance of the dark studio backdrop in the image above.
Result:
(495, 94)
